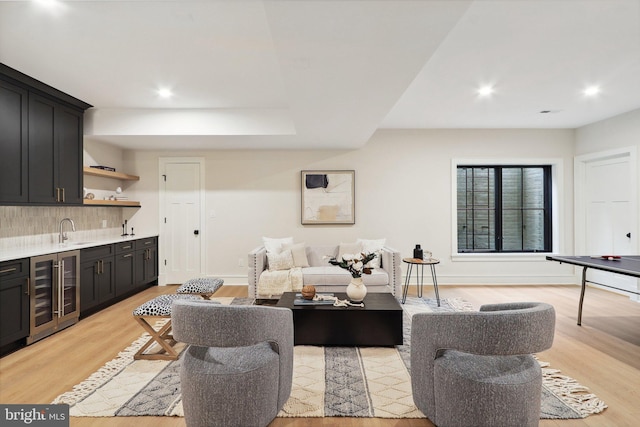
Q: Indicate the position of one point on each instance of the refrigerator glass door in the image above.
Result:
(44, 297)
(69, 290)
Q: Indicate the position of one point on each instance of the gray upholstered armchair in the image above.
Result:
(476, 368)
(238, 368)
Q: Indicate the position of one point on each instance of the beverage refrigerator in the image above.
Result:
(55, 293)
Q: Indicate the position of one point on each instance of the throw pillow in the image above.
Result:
(349, 248)
(299, 253)
(275, 245)
(280, 261)
(373, 246)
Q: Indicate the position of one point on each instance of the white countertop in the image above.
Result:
(69, 245)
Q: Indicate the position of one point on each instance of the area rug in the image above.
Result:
(327, 381)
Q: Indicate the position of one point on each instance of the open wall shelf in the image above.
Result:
(109, 174)
(122, 203)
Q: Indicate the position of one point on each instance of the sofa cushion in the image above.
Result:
(349, 248)
(275, 245)
(299, 253)
(373, 246)
(280, 261)
(318, 256)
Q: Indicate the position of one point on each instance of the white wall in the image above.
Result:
(403, 193)
(617, 132)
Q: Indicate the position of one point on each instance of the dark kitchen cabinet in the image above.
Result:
(41, 147)
(146, 261)
(110, 273)
(125, 267)
(55, 152)
(14, 303)
(97, 285)
(13, 143)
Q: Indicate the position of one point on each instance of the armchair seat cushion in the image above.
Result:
(488, 369)
(234, 360)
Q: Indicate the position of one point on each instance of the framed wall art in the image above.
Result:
(328, 197)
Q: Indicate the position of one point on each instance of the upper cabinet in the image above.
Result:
(14, 102)
(41, 149)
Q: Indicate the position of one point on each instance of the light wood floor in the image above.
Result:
(603, 354)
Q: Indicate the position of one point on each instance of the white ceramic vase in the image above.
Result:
(356, 290)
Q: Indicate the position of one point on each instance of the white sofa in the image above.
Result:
(330, 278)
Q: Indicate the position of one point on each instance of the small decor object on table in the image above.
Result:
(355, 264)
(308, 292)
(418, 253)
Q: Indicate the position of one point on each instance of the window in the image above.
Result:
(504, 208)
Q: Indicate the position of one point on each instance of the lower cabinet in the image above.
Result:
(125, 268)
(146, 261)
(14, 302)
(32, 296)
(112, 272)
(96, 282)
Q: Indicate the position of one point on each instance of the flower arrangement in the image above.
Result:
(354, 264)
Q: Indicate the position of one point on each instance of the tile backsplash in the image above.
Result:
(25, 226)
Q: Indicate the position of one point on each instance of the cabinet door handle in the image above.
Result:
(57, 194)
(147, 243)
(8, 270)
(101, 266)
(127, 255)
(126, 247)
(28, 292)
(62, 194)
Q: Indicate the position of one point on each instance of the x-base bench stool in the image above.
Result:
(203, 286)
(158, 307)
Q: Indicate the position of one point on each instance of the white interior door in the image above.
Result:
(181, 220)
(611, 217)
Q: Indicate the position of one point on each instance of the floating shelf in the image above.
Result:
(109, 174)
(125, 203)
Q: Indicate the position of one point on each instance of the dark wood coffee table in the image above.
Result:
(378, 323)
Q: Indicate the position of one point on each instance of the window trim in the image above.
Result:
(557, 211)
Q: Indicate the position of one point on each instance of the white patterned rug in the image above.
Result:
(327, 382)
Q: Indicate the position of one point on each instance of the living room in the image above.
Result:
(405, 192)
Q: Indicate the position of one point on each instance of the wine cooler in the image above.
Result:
(55, 293)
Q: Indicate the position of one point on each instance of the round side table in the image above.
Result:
(420, 263)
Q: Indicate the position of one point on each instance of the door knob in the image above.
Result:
(196, 232)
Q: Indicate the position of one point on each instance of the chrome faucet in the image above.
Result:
(63, 235)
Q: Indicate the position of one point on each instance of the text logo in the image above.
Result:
(34, 415)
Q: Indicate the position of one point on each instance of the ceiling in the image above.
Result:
(325, 74)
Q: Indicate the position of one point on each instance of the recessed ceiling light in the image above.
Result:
(165, 93)
(485, 91)
(48, 3)
(591, 91)
(52, 6)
